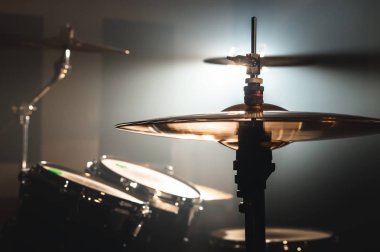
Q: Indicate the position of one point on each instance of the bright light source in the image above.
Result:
(263, 50)
(232, 51)
(264, 69)
(67, 53)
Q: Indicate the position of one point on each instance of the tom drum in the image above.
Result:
(173, 202)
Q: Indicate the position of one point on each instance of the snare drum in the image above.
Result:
(64, 210)
(277, 239)
(173, 202)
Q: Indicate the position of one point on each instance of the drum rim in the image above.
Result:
(163, 198)
(120, 202)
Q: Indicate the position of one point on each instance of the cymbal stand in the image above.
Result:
(25, 110)
(253, 162)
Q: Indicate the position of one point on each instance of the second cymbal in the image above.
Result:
(66, 40)
(355, 59)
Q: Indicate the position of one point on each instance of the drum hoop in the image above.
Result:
(142, 190)
(77, 188)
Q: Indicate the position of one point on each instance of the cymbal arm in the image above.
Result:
(62, 69)
(25, 110)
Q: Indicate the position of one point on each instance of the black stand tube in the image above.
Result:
(253, 166)
(253, 35)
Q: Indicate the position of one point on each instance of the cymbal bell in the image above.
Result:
(355, 59)
(66, 40)
(284, 127)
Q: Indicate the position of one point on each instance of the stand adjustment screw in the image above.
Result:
(235, 165)
(242, 207)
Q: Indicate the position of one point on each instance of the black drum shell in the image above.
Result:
(75, 215)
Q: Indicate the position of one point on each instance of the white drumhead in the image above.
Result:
(151, 178)
(92, 184)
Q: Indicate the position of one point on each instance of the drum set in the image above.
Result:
(121, 206)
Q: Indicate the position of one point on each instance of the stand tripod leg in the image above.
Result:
(24, 121)
(253, 166)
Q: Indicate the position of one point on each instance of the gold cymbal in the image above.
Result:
(211, 194)
(274, 235)
(284, 126)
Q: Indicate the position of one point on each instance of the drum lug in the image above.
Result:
(124, 182)
(137, 229)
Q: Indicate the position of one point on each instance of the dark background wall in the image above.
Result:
(20, 80)
(329, 184)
